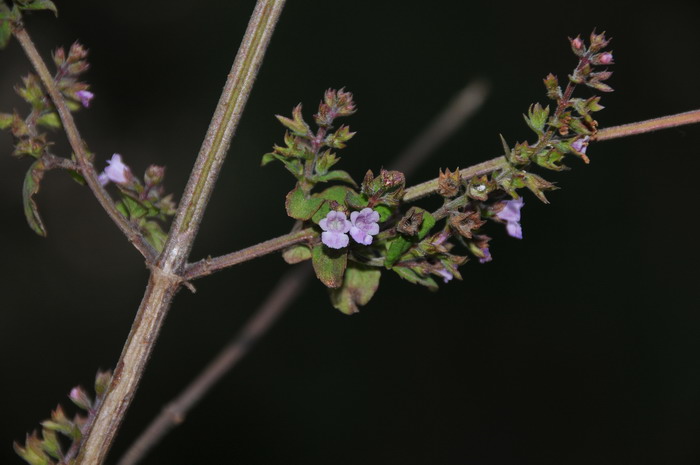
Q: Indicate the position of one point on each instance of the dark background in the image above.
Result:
(578, 344)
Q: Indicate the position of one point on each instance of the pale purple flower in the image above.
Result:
(364, 225)
(446, 275)
(511, 215)
(85, 96)
(580, 145)
(116, 171)
(487, 256)
(335, 227)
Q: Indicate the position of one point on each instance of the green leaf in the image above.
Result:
(299, 207)
(296, 254)
(6, 120)
(329, 265)
(356, 201)
(39, 5)
(359, 285)
(154, 235)
(384, 212)
(31, 186)
(77, 177)
(416, 278)
(337, 175)
(333, 193)
(5, 33)
(50, 120)
(297, 125)
(537, 117)
(426, 225)
(134, 208)
(325, 161)
(268, 157)
(50, 444)
(397, 248)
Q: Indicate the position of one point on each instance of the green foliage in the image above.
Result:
(359, 285)
(329, 265)
(47, 449)
(415, 243)
(31, 186)
(146, 206)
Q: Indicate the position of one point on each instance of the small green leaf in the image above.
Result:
(6, 120)
(397, 247)
(40, 5)
(332, 194)
(329, 265)
(136, 209)
(77, 177)
(50, 120)
(31, 186)
(325, 161)
(416, 278)
(267, 158)
(299, 207)
(337, 175)
(297, 125)
(5, 33)
(356, 201)
(51, 445)
(359, 285)
(384, 212)
(537, 117)
(296, 254)
(154, 235)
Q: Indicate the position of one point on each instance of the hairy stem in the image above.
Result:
(76, 142)
(165, 281)
(459, 109)
(210, 265)
(664, 122)
(174, 413)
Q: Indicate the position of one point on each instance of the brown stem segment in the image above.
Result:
(174, 413)
(223, 126)
(76, 142)
(165, 281)
(210, 265)
(641, 127)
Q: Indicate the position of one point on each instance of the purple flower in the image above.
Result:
(364, 225)
(511, 215)
(85, 96)
(580, 145)
(116, 171)
(446, 275)
(487, 256)
(335, 227)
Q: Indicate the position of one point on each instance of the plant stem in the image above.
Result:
(429, 187)
(458, 110)
(77, 144)
(641, 127)
(165, 281)
(174, 413)
(210, 265)
(223, 126)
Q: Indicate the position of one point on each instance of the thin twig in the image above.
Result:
(76, 142)
(164, 280)
(665, 122)
(282, 296)
(286, 291)
(210, 265)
